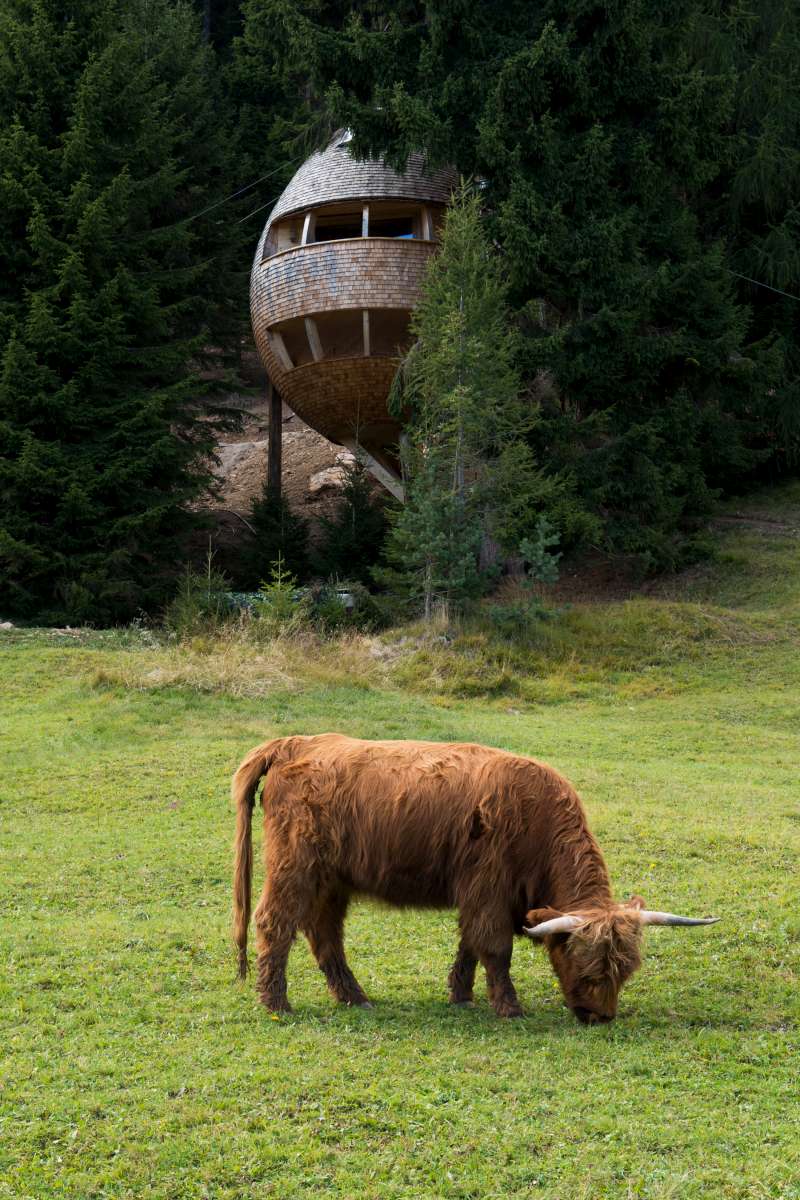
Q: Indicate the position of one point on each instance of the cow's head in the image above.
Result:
(594, 951)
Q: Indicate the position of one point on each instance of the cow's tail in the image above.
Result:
(243, 790)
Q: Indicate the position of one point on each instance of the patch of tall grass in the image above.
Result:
(512, 645)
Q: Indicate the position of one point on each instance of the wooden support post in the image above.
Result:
(427, 224)
(309, 229)
(365, 326)
(275, 444)
(365, 221)
(315, 345)
(389, 479)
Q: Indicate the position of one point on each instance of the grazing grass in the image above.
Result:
(133, 1065)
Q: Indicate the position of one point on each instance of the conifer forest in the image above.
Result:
(630, 174)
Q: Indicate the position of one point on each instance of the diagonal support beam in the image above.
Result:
(315, 345)
(389, 479)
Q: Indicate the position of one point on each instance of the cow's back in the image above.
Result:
(403, 820)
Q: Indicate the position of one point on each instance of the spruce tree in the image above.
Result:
(113, 282)
(467, 422)
(351, 540)
(278, 533)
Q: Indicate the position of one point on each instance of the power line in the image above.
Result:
(241, 191)
(258, 210)
(758, 283)
(195, 216)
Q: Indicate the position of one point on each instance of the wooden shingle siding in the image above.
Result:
(342, 398)
(325, 276)
(333, 175)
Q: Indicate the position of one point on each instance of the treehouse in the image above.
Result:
(336, 274)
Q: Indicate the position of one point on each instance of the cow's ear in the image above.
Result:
(635, 902)
(537, 915)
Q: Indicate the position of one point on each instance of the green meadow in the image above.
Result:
(133, 1065)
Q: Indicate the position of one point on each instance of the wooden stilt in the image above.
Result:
(275, 440)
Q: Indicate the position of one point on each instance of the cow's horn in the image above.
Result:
(564, 924)
(648, 917)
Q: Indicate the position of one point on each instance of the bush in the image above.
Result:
(341, 605)
(202, 603)
(280, 606)
(518, 620)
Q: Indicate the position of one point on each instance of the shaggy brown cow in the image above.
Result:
(501, 837)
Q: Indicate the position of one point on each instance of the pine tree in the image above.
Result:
(113, 139)
(351, 540)
(279, 533)
(467, 423)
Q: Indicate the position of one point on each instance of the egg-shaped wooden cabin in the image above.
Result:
(337, 271)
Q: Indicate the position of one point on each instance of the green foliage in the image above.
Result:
(469, 474)
(636, 160)
(541, 561)
(351, 540)
(343, 605)
(279, 533)
(113, 135)
(279, 606)
(202, 603)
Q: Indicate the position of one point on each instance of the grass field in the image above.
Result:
(134, 1066)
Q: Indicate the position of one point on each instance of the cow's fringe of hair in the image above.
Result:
(607, 943)
(243, 792)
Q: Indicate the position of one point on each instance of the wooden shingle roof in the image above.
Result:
(332, 175)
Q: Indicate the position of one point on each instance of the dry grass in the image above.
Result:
(231, 663)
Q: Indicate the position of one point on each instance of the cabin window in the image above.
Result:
(282, 236)
(341, 333)
(392, 227)
(332, 227)
(295, 339)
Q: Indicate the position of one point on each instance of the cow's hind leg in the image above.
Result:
(281, 910)
(461, 979)
(324, 929)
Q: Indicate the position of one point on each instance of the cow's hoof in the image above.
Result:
(468, 1002)
(365, 1004)
(281, 1006)
(509, 1012)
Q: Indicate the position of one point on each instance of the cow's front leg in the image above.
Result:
(502, 994)
(461, 979)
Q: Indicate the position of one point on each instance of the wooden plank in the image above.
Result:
(278, 347)
(312, 333)
(365, 326)
(389, 479)
(309, 229)
(275, 445)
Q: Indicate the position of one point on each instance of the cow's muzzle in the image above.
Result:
(587, 1016)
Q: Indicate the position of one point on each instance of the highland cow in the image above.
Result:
(501, 837)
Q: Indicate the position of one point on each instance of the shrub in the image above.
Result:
(201, 604)
(280, 606)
